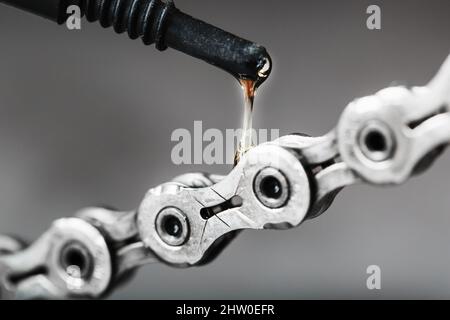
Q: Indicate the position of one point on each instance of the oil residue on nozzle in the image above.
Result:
(249, 88)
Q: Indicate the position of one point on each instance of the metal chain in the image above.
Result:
(382, 139)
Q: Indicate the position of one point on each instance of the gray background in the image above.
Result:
(86, 118)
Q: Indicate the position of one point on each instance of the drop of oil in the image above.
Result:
(249, 88)
(246, 141)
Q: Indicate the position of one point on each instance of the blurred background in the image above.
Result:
(86, 118)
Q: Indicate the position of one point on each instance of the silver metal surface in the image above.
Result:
(417, 121)
(380, 139)
(252, 214)
(50, 276)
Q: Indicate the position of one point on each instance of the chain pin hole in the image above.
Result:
(172, 226)
(271, 188)
(76, 261)
(376, 141)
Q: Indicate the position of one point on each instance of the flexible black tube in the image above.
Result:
(161, 23)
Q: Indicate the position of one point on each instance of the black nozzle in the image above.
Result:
(161, 23)
(242, 58)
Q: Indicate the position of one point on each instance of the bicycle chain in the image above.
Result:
(382, 139)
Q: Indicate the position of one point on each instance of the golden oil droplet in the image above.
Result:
(249, 88)
(246, 142)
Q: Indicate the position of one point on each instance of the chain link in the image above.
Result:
(382, 139)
